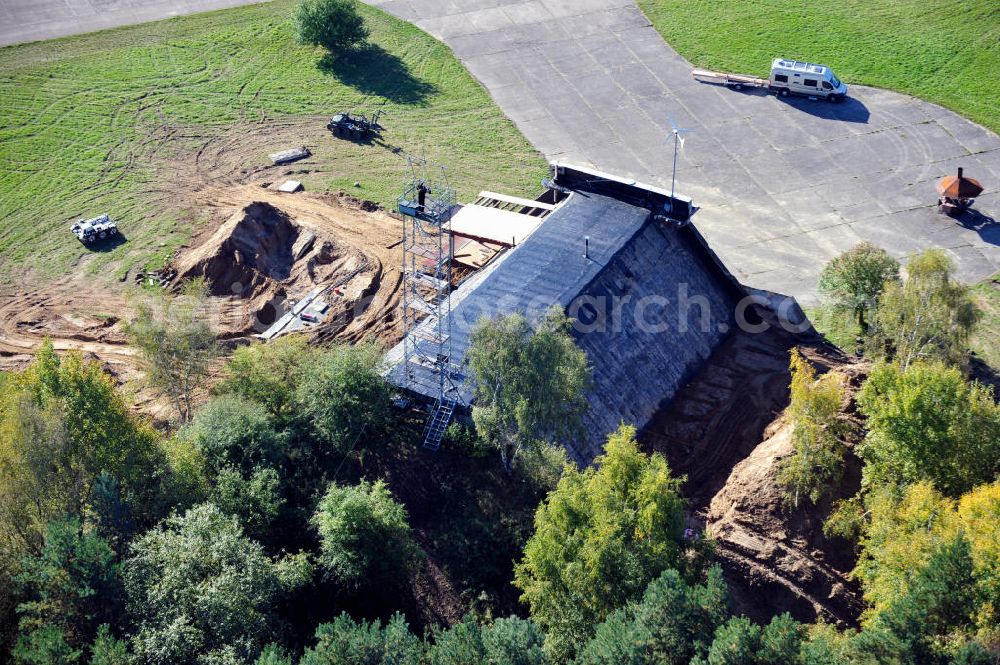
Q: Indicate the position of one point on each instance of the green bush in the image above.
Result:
(332, 24)
(268, 374)
(255, 499)
(365, 537)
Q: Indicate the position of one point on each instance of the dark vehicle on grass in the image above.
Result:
(355, 126)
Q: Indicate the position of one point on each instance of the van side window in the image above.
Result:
(781, 78)
(827, 86)
(810, 82)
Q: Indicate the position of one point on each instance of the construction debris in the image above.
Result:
(290, 155)
(290, 186)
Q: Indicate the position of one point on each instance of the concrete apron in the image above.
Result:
(783, 184)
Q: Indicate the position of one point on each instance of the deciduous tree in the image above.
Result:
(345, 399)
(529, 385)
(818, 459)
(856, 278)
(196, 586)
(904, 530)
(926, 422)
(333, 24)
(268, 373)
(175, 338)
(600, 537)
(927, 316)
(62, 426)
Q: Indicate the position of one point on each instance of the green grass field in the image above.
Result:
(98, 123)
(942, 51)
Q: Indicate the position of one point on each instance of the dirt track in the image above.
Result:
(72, 315)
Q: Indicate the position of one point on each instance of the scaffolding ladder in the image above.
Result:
(438, 423)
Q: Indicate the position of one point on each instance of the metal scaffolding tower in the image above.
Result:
(428, 249)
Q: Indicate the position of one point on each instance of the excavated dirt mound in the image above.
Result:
(331, 239)
(777, 559)
(712, 432)
(254, 245)
(260, 258)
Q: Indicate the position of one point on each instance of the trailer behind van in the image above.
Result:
(788, 77)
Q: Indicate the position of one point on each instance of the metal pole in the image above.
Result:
(673, 174)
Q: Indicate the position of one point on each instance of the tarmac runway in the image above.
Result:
(34, 20)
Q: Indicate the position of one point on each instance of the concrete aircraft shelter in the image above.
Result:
(650, 300)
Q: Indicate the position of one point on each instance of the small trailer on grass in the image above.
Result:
(90, 231)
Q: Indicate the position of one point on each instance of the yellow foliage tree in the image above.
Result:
(903, 532)
(817, 462)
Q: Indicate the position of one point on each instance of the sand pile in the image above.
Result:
(260, 258)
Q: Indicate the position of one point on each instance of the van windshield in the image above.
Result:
(834, 80)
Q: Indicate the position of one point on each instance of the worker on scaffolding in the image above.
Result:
(422, 190)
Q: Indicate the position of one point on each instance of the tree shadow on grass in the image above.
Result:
(372, 70)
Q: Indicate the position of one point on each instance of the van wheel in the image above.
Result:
(837, 99)
(783, 92)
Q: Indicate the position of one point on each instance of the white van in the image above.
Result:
(791, 77)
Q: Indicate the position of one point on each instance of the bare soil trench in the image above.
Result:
(725, 431)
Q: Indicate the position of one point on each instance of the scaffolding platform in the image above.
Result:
(426, 204)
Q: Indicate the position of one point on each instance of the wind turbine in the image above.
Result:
(678, 133)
